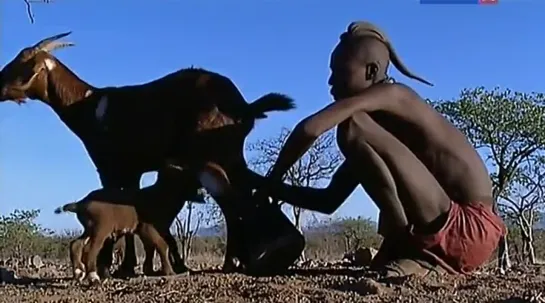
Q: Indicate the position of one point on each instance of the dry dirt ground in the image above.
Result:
(329, 283)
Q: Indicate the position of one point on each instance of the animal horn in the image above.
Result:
(50, 43)
(56, 45)
(364, 28)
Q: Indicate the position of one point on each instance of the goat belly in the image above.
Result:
(272, 241)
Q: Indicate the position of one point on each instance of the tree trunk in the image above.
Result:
(530, 225)
(180, 235)
(188, 234)
(526, 230)
(504, 263)
(531, 253)
(528, 252)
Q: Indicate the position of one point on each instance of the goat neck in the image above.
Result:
(70, 97)
(64, 88)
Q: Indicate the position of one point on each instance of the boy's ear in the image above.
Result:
(371, 71)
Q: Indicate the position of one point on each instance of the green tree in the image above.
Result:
(356, 232)
(20, 235)
(507, 127)
(522, 201)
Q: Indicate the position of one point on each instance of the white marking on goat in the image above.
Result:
(93, 277)
(212, 184)
(88, 93)
(79, 274)
(50, 64)
(86, 241)
(101, 108)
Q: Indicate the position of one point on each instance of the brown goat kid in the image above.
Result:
(130, 130)
(110, 214)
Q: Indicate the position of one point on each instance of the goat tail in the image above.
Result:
(70, 207)
(270, 102)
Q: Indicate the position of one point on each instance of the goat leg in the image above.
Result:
(148, 262)
(105, 259)
(129, 261)
(150, 234)
(76, 251)
(128, 181)
(231, 263)
(178, 262)
(95, 244)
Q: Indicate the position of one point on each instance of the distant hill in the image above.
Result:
(214, 231)
(211, 231)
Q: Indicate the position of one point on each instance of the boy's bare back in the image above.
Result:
(441, 147)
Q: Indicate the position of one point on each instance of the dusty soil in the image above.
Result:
(52, 283)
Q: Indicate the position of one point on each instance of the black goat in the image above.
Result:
(130, 130)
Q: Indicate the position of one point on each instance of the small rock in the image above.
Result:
(37, 262)
(364, 256)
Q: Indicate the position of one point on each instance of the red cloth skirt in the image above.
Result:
(467, 240)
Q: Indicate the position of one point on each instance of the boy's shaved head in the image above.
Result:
(369, 52)
(374, 47)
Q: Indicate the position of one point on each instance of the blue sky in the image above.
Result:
(263, 46)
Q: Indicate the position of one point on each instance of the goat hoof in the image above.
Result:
(231, 268)
(181, 269)
(79, 274)
(227, 269)
(93, 278)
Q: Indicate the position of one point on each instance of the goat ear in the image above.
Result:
(28, 75)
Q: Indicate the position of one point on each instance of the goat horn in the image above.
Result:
(56, 45)
(44, 42)
(49, 44)
(367, 29)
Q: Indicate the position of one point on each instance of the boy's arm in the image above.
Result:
(395, 99)
(325, 200)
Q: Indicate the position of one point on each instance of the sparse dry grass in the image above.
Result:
(324, 282)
